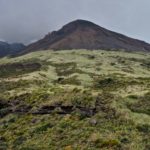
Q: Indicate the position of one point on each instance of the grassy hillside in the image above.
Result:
(75, 100)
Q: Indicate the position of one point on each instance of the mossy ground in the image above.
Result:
(75, 100)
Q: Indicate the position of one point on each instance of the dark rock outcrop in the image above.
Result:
(5, 108)
(63, 110)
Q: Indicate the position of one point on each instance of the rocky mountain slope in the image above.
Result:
(81, 34)
(10, 49)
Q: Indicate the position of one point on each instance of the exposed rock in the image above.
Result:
(88, 112)
(44, 110)
(5, 108)
(22, 109)
(81, 34)
(93, 122)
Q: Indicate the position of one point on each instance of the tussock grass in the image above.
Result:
(76, 100)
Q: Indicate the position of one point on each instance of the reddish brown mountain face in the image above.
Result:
(82, 34)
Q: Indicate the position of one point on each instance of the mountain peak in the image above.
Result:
(80, 22)
(83, 34)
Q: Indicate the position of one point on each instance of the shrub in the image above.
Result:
(43, 128)
(144, 128)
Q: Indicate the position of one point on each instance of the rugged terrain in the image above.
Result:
(7, 49)
(78, 34)
(75, 100)
(82, 34)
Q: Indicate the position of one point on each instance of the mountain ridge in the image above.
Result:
(10, 49)
(82, 34)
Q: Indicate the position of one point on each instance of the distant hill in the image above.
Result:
(10, 49)
(81, 34)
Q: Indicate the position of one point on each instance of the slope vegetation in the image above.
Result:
(73, 100)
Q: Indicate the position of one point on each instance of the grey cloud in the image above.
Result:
(29, 20)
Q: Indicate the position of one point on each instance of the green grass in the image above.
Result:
(141, 104)
(75, 100)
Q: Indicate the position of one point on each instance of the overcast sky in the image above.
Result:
(28, 20)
